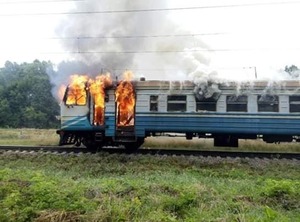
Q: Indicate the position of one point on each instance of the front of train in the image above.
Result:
(83, 111)
(98, 112)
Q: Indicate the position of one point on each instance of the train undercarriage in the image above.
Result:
(95, 140)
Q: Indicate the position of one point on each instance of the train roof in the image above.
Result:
(161, 84)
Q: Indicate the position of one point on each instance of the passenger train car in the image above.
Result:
(225, 112)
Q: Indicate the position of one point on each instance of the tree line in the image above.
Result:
(25, 96)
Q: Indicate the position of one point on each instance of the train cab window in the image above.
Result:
(176, 103)
(236, 103)
(267, 103)
(153, 103)
(75, 96)
(209, 104)
(294, 104)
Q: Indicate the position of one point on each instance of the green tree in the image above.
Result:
(25, 96)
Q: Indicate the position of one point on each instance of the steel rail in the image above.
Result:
(156, 151)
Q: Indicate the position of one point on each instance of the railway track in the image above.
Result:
(168, 152)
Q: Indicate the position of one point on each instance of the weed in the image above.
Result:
(58, 216)
(282, 192)
(181, 205)
(270, 214)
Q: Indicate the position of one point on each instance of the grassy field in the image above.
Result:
(102, 187)
(44, 137)
(48, 137)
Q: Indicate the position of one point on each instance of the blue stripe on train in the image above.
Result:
(238, 123)
(80, 123)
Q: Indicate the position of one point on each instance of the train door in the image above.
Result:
(125, 112)
(97, 89)
(97, 110)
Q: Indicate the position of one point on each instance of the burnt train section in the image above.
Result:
(101, 112)
(82, 111)
(125, 110)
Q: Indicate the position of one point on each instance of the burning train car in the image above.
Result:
(101, 112)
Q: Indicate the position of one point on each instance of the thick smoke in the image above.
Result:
(85, 37)
(60, 76)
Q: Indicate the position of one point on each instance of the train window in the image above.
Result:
(74, 96)
(294, 104)
(176, 103)
(267, 103)
(209, 104)
(153, 103)
(236, 103)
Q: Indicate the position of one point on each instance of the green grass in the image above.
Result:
(103, 187)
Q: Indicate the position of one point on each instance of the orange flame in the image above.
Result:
(80, 85)
(76, 94)
(125, 99)
(97, 89)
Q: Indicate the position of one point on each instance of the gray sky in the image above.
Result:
(229, 37)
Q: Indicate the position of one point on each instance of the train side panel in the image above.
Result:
(157, 113)
(75, 117)
(110, 116)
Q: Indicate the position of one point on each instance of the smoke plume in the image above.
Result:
(145, 42)
(136, 41)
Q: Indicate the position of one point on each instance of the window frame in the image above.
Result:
(171, 101)
(267, 106)
(65, 99)
(153, 103)
(209, 102)
(237, 103)
(294, 104)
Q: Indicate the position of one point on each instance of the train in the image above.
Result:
(226, 112)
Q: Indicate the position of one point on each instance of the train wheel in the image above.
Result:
(133, 146)
(226, 141)
(92, 149)
(92, 146)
